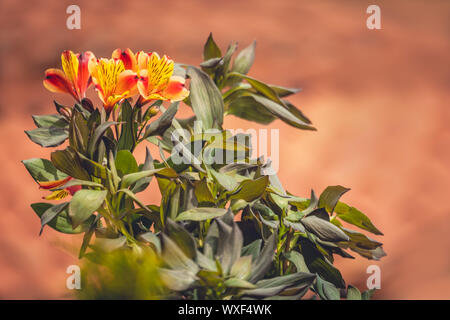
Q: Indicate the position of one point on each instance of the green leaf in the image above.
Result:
(125, 163)
(247, 108)
(48, 137)
(317, 264)
(52, 120)
(160, 125)
(238, 283)
(327, 290)
(43, 170)
(297, 259)
(206, 99)
(109, 245)
(283, 91)
(174, 257)
(62, 221)
(241, 269)
(253, 249)
(143, 183)
(182, 238)
(87, 237)
(250, 190)
(132, 178)
(98, 133)
(84, 203)
(225, 180)
(265, 259)
(323, 229)
(79, 132)
(330, 197)
(69, 162)
(367, 295)
(283, 113)
(259, 86)
(211, 50)
(202, 192)
(152, 238)
(128, 129)
(273, 286)
(229, 244)
(244, 60)
(200, 214)
(355, 217)
(177, 280)
(353, 293)
(211, 63)
(296, 112)
(131, 195)
(51, 213)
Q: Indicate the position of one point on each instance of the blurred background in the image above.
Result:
(377, 98)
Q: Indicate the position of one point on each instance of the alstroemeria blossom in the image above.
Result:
(157, 81)
(58, 194)
(112, 81)
(74, 79)
(132, 61)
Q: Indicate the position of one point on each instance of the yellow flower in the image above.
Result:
(156, 78)
(74, 79)
(112, 81)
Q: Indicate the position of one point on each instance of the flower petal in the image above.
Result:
(53, 184)
(84, 78)
(56, 81)
(128, 58)
(57, 195)
(175, 90)
(127, 81)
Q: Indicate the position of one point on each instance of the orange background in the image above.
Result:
(379, 99)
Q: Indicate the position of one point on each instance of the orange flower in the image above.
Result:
(157, 81)
(58, 194)
(74, 79)
(135, 62)
(112, 82)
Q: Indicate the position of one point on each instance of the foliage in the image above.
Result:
(225, 227)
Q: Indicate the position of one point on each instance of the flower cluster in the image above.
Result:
(124, 75)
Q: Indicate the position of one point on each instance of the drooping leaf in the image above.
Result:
(51, 120)
(355, 217)
(324, 229)
(48, 137)
(51, 213)
(43, 170)
(330, 197)
(62, 221)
